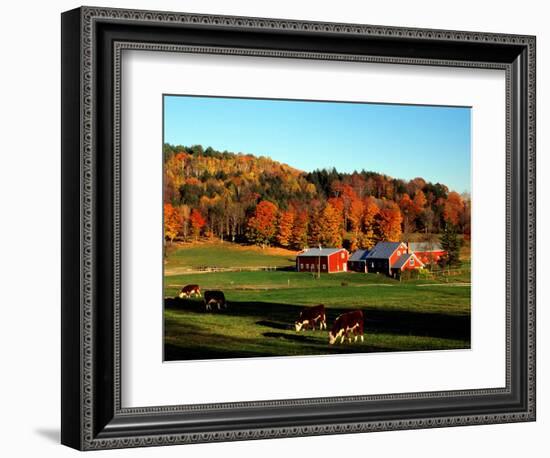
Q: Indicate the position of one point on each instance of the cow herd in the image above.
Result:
(348, 325)
(344, 326)
(211, 298)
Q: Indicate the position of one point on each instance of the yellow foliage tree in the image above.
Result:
(331, 226)
(172, 222)
(284, 228)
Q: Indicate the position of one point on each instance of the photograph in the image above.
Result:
(314, 227)
(279, 222)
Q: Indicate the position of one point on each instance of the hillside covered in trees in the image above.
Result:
(254, 199)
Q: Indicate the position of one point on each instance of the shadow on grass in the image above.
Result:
(273, 344)
(387, 321)
(191, 305)
(428, 324)
(190, 341)
(177, 353)
(291, 268)
(275, 325)
(292, 337)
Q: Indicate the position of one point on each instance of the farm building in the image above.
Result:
(426, 252)
(330, 260)
(390, 258)
(357, 261)
(407, 261)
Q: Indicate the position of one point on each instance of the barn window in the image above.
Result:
(301, 266)
(411, 262)
(398, 253)
(342, 255)
(324, 267)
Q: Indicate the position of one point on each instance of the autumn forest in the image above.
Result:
(254, 199)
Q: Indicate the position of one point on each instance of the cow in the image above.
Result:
(214, 297)
(190, 290)
(310, 316)
(346, 324)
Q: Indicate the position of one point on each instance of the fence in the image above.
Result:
(205, 269)
(445, 275)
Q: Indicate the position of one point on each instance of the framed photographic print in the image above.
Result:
(278, 228)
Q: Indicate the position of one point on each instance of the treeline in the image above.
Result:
(253, 199)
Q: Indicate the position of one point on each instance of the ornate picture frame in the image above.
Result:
(93, 416)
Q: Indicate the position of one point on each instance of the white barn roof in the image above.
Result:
(310, 252)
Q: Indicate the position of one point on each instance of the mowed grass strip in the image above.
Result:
(301, 289)
(226, 255)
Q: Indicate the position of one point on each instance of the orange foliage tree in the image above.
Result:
(453, 208)
(300, 230)
(331, 226)
(197, 222)
(172, 222)
(389, 222)
(419, 201)
(371, 210)
(408, 210)
(315, 231)
(356, 221)
(284, 230)
(261, 227)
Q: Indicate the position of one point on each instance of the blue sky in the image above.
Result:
(403, 141)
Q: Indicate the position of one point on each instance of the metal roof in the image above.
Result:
(359, 255)
(319, 252)
(425, 246)
(383, 250)
(401, 261)
(404, 259)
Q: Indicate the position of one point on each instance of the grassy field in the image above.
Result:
(263, 305)
(187, 257)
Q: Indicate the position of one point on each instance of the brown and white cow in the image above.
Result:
(310, 317)
(190, 290)
(346, 324)
(214, 297)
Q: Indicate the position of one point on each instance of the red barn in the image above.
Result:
(408, 261)
(426, 252)
(330, 260)
(383, 256)
(391, 258)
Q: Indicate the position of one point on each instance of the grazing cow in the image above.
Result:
(344, 325)
(190, 290)
(310, 316)
(214, 297)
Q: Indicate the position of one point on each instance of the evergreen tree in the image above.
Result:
(451, 244)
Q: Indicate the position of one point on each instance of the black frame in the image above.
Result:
(92, 40)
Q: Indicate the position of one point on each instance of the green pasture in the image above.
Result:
(263, 305)
(226, 255)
